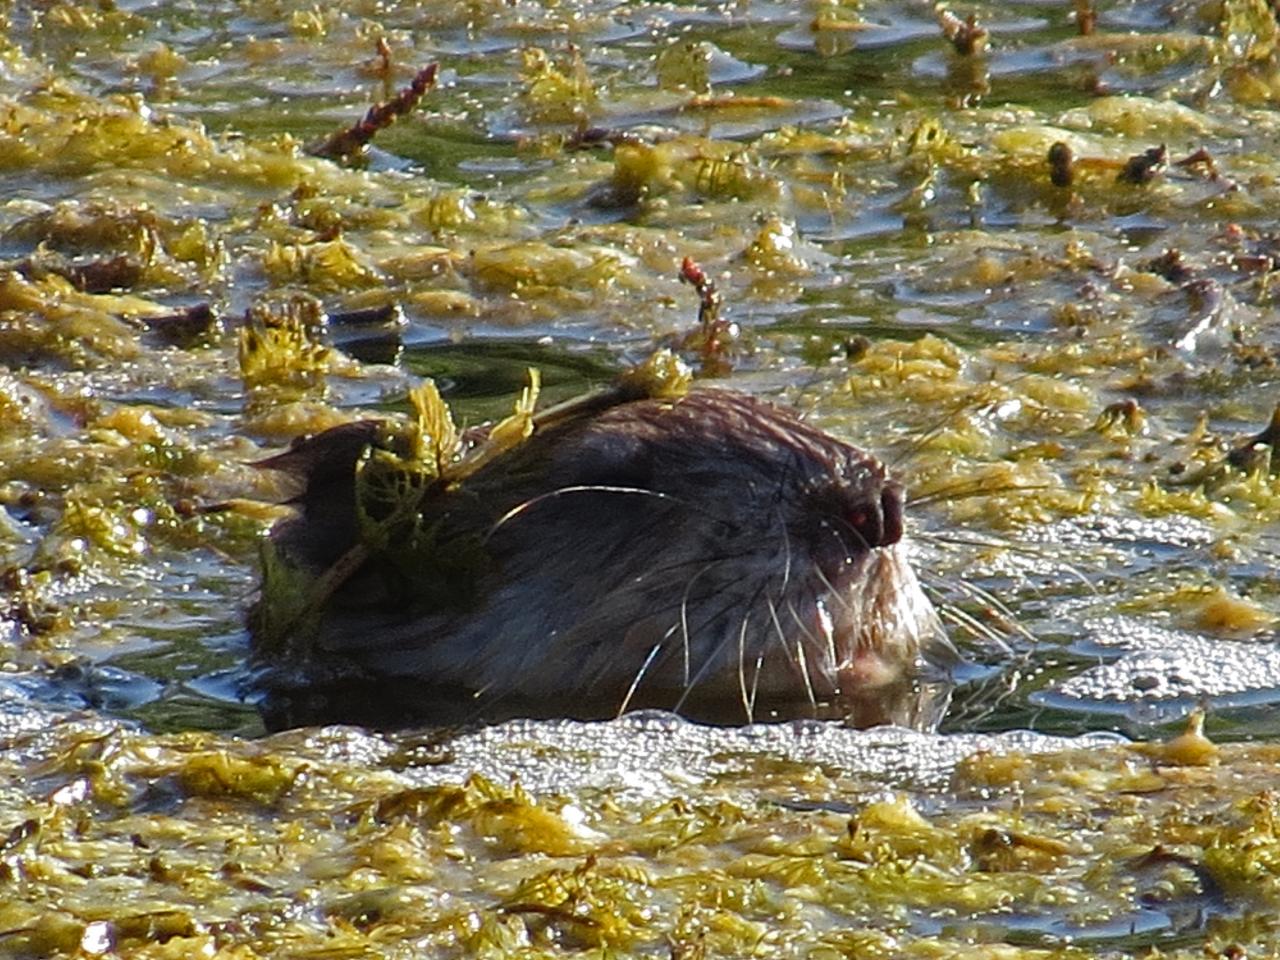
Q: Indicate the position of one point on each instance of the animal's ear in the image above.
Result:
(325, 457)
(324, 467)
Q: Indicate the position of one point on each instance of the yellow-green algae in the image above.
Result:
(188, 845)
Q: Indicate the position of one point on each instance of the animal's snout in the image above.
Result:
(877, 522)
(891, 503)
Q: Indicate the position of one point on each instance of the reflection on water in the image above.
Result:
(1072, 378)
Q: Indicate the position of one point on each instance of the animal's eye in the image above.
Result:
(878, 524)
(852, 518)
(865, 523)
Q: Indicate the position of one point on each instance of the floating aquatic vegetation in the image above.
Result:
(553, 94)
(684, 65)
(773, 249)
(324, 265)
(449, 210)
(331, 847)
(1012, 332)
(282, 347)
(537, 270)
(734, 175)
(966, 37)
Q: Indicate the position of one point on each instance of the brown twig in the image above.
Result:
(1086, 17)
(713, 336)
(1061, 165)
(384, 58)
(354, 139)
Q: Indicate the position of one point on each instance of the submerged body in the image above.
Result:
(711, 554)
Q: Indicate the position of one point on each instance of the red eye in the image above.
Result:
(866, 524)
(878, 525)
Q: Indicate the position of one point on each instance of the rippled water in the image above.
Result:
(1068, 378)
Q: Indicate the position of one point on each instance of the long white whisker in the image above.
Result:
(796, 656)
(684, 619)
(521, 508)
(984, 596)
(845, 605)
(684, 626)
(971, 623)
(804, 628)
(755, 678)
(804, 672)
(786, 551)
(748, 700)
(952, 494)
(714, 653)
(644, 668)
(999, 606)
(986, 395)
(1017, 549)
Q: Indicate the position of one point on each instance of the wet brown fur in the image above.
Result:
(714, 555)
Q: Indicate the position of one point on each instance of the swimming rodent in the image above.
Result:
(710, 554)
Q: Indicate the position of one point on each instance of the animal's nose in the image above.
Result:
(864, 512)
(891, 499)
(879, 523)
